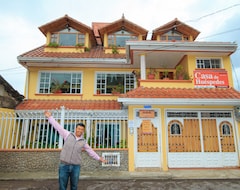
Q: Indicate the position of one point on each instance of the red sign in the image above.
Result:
(210, 78)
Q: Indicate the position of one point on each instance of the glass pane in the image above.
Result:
(115, 82)
(67, 39)
(60, 82)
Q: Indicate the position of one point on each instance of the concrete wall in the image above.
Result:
(36, 161)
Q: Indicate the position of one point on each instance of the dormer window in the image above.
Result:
(68, 37)
(119, 38)
(173, 35)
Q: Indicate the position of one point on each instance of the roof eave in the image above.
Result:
(182, 46)
(179, 101)
(70, 60)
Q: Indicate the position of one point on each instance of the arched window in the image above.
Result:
(225, 129)
(175, 129)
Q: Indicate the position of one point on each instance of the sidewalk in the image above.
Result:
(116, 175)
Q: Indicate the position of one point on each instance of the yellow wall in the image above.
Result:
(88, 84)
(226, 61)
(6, 127)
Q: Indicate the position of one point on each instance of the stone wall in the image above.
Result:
(37, 161)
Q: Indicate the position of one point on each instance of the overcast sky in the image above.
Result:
(217, 20)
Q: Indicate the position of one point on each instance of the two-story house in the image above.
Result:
(157, 104)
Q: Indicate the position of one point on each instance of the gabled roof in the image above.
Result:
(96, 26)
(178, 26)
(123, 24)
(10, 90)
(34, 104)
(63, 22)
(11, 98)
(182, 96)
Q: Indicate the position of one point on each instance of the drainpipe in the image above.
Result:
(143, 66)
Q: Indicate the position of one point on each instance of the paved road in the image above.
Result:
(137, 184)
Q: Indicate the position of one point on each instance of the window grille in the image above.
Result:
(216, 114)
(182, 114)
(112, 159)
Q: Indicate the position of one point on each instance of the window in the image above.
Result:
(173, 35)
(119, 38)
(68, 37)
(175, 129)
(108, 83)
(226, 129)
(208, 63)
(53, 82)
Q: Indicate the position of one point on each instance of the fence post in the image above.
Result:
(62, 120)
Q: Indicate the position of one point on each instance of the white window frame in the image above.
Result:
(59, 72)
(126, 89)
(209, 59)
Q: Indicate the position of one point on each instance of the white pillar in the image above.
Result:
(143, 66)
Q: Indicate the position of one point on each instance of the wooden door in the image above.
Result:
(184, 138)
(147, 138)
(227, 137)
(210, 135)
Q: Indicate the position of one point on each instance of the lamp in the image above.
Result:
(68, 26)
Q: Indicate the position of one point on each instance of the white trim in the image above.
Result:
(72, 60)
(182, 46)
(179, 101)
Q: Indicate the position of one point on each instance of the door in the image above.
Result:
(210, 135)
(147, 151)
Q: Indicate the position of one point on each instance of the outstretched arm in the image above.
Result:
(93, 154)
(63, 132)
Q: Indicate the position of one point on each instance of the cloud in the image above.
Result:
(21, 20)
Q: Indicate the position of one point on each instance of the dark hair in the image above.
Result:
(80, 124)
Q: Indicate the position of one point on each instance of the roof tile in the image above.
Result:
(35, 104)
(95, 52)
(209, 93)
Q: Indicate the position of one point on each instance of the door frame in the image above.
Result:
(140, 156)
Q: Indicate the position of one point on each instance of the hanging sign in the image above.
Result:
(211, 78)
(146, 113)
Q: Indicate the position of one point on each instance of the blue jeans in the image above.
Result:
(67, 171)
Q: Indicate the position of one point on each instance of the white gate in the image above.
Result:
(147, 140)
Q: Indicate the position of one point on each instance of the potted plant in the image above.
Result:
(114, 49)
(165, 75)
(180, 72)
(56, 87)
(53, 44)
(151, 74)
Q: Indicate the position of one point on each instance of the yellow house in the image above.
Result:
(185, 115)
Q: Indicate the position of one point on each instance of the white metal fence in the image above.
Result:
(31, 130)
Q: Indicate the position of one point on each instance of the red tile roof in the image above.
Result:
(194, 93)
(96, 52)
(34, 104)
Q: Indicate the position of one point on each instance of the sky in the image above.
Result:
(217, 20)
